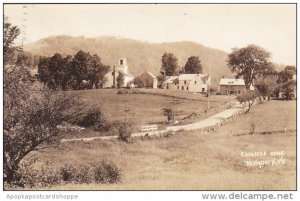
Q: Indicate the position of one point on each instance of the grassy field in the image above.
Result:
(147, 108)
(194, 160)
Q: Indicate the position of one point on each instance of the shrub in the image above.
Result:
(169, 113)
(30, 177)
(107, 172)
(124, 130)
(104, 171)
(78, 174)
(92, 119)
(83, 174)
(67, 172)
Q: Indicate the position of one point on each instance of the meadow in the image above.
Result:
(197, 161)
(145, 105)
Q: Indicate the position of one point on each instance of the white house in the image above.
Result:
(198, 83)
(111, 75)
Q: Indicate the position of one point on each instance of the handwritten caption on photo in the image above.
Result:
(264, 158)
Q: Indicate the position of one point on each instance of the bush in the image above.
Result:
(78, 174)
(30, 177)
(123, 91)
(104, 171)
(67, 172)
(107, 172)
(92, 119)
(124, 130)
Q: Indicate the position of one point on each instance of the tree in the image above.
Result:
(249, 62)
(84, 70)
(54, 71)
(247, 99)
(79, 68)
(193, 66)
(169, 64)
(97, 71)
(120, 80)
(265, 86)
(44, 75)
(139, 82)
(32, 113)
(287, 82)
(10, 33)
(169, 113)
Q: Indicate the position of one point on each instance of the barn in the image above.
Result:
(146, 79)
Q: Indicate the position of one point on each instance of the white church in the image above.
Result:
(111, 76)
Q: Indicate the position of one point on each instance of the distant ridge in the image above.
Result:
(140, 55)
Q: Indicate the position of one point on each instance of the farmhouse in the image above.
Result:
(146, 79)
(111, 75)
(198, 83)
(170, 83)
(232, 86)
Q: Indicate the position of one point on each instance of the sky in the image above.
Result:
(220, 26)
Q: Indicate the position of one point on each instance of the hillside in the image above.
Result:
(140, 55)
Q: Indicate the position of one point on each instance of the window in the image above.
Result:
(182, 88)
(195, 82)
(121, 62)
(184, 81)
(239, 91)
(187, 88)
(167, 87)
(178, 87)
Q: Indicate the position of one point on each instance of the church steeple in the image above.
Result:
(122, 65)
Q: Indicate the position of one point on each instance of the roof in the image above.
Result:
(193, 76)
(125, 74)
(226, 81)
(152, 75)
(170, 79)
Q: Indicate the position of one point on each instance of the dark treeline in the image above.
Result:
(81, 71)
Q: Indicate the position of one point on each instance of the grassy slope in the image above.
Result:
(193, 160)
(144, 108)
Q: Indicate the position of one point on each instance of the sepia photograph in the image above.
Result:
(149, 97)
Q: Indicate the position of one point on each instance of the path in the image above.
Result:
(206, 124)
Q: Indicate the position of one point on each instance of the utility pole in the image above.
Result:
(126, 110)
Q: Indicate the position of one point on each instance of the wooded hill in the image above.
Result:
(140, 55)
